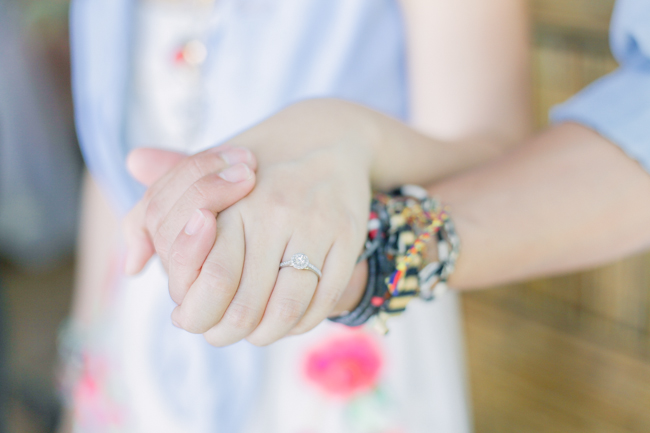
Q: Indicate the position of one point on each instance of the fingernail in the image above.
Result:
(175, 323)
(195, 223)
(236, 155)
(236, 173)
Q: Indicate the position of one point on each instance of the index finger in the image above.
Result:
(144, 220)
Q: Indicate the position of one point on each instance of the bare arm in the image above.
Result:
(468, 63)
(566, 200)
(469, 77)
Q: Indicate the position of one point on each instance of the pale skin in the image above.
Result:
(542, 218)
(338, 152)
(458, 91)
(563, 200)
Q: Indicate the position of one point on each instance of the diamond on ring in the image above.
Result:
(301, 261)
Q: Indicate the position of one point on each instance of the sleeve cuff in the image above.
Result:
(617, 107)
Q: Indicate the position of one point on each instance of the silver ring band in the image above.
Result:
(300, 262)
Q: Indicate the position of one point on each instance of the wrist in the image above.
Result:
(412, 249)
(316, 128)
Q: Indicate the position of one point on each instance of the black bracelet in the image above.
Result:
(365, 310)
(379, 267)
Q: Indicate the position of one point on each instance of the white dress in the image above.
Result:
(141, 374)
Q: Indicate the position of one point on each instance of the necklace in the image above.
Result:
(170, 95)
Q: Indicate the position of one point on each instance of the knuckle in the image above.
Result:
(200, 192)
(216, 274)
(281, 210)
(203, 164)
(178, 259)
(189, 319)
(195, 166)
(214, 339)
(328, 300)
(259, 341)
(262, 342)
(152, 215)
(241, 317)
(289, 311)
(304, 327)
(162, 243)
(321, 218)
(192, 325)
(276, 216)
(350, 225)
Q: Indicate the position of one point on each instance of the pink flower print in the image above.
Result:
(93, 408)
(345, 365)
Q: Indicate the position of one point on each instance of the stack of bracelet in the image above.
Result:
(400, 226)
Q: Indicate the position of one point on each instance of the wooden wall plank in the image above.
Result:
(568, 354)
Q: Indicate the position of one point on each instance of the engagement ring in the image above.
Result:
(301, 261)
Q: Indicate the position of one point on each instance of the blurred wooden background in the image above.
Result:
(568, 354)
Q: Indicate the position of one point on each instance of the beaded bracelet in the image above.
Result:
(400, 226)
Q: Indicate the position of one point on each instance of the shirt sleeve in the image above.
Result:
(618, 105)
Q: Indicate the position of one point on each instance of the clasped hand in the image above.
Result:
(222, 220)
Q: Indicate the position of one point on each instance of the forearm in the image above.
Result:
(565, 200)
(402, 155)
(468, 68)
(469, 81)
(385, 149)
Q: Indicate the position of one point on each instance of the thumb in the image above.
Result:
(148, 165)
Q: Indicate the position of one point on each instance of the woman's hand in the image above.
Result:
(317, 161)
(315, 203)
(210, 181)
(312, 197)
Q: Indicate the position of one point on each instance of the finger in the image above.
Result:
(160, 197)
(265, 246)
(189, 252)
(337, 272)
(214, 192)
(292, 293)
(139, 247)
(149, 165)
(165, 195)
(146, 166)
(210, 294)
(354, 291)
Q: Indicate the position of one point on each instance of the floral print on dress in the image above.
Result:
(95, 410)
(345, 365)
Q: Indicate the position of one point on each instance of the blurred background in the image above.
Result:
(569, 354)
(39, 177)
